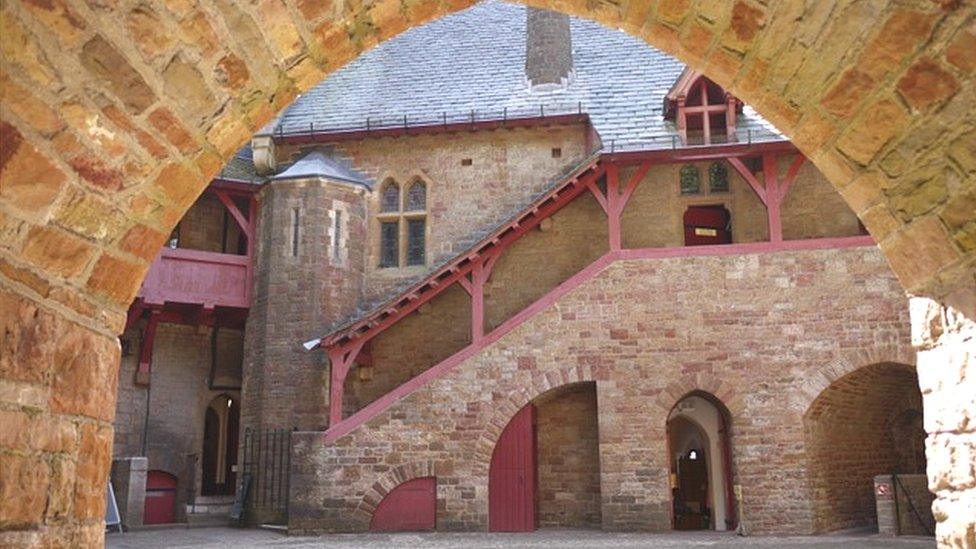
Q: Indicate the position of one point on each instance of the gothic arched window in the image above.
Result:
(403, 227)
(390, 199)
(417, 197)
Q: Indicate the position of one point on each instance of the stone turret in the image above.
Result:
(308, 275)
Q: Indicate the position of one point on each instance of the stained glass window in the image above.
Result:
(390, 201)
(417, 197)
(390, 244)
(718, 178)
(416, 241)
(690, 179)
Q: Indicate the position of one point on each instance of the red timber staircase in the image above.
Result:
(599, 175)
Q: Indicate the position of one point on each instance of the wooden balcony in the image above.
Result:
(196, 277)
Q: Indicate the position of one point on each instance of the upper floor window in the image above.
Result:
(390, 199)
(703, 112)
(403, 224)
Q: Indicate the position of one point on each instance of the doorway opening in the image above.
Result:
(865, 424)
(545, 469)
(220, 437)
(707, 225)
(700, 460)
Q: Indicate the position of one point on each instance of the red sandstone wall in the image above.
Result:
(763, 333)
(568, 458)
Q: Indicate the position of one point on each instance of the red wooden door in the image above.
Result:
(706, 225)
(512, 478)
(160, 498)
(410, 507)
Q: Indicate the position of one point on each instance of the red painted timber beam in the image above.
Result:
(696, 153)
(774, 191)
(616, 199)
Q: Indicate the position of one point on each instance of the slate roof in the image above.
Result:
(318, 164)
(241, 168)
(474, 60)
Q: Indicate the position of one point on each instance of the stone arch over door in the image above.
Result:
(851, 434)
(99, 164)
(386, 483)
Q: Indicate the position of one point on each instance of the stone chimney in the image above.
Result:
(548, 48)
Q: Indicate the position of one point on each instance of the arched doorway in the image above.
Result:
(220, 435)
(410, 507)
(864, 424)
(545, 468)
(699, 447)
(160, 498)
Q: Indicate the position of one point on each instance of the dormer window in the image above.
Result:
(703, 112)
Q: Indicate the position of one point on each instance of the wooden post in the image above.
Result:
(475, 287)
(146, 348)
(774, 191)
(773, 198)
(340, 361)
(614, 206)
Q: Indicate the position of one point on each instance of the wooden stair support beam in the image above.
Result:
(146, 348)
(773, 193)
(441, 280)
(243, 223)
(340, 362)
(616, 198)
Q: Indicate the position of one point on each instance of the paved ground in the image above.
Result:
(241, 539)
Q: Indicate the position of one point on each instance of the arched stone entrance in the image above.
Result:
(700, 458)
(864, 424)
(115, 118)
(545, 466)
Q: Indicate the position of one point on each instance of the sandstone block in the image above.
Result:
(871, 131)
(28, 179)
(927, 83)
(106, 64)
(56, 251)
(116, 279)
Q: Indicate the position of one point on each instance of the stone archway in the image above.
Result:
(115, 117)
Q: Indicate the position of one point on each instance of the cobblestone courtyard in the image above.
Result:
(241, 539)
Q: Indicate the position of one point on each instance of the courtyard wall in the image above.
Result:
(764, 333)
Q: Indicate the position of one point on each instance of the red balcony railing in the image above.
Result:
(196, 277)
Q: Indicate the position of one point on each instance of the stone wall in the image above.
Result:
(647, 332)
(565, 244)
(508, 167)
(568, 462)
(853, 434)
(945, 336)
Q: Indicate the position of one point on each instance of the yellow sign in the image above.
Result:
(702, 231)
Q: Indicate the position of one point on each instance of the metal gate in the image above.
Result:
(266, 462)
